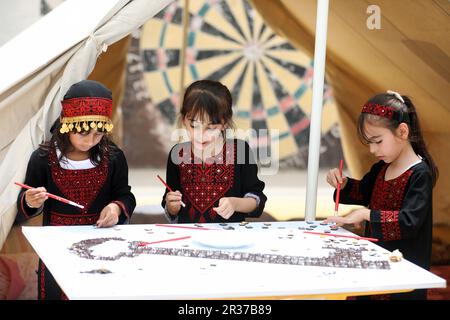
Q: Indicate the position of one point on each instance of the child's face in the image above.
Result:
(84, 141)
(383, 143)
(203, 133)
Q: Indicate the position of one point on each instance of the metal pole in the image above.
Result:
(183, 49)
(316, 114)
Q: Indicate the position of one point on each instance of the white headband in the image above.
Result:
(396, 94)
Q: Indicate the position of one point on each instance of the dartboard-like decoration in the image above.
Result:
(228, 41)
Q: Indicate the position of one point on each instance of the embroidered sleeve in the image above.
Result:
(121, 191)
(172, 175)
(406, 222)
(385, 225)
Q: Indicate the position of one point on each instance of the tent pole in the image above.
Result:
(317, 104)
(183, 49)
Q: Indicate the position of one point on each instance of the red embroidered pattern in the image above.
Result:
(62, 219)
(80, 186)
(378, 110)
(390, 226)
(387, 197)
(42, 281)
(42, 293)
(86, 106)
(204, 184)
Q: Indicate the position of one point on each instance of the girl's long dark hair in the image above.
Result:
(61, 140)
(409, 113)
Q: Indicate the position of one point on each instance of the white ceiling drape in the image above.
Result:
(38, 67)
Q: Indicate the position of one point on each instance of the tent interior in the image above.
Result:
(362, 62)
(408, 54)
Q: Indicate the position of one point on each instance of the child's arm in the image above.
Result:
(252, 187)
(354, 192)
(229, 205)
(171, 201)
(406, 222)
(334, 177)
(121, 194)
(358, 192)
(253, 200)
(356, 217)
(30, 203)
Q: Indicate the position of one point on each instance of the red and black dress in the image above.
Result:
(400, 212)
(231, 173)
(93, 188)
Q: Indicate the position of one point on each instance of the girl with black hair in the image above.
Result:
(397, 191)
(216, 177)
(81, 164)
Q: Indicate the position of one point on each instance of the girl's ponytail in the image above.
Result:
(416, 138)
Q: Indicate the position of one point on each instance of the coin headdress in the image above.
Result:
(87, 105)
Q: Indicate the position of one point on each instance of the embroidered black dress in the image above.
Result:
(232, 173)
(401, 212)
(93, 188)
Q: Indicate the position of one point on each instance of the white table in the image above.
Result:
(292, 264)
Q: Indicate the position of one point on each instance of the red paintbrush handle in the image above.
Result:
(167, 186)
(50, 195)
(341, 235)
(338, 193)
(160, 241)
(184, 227)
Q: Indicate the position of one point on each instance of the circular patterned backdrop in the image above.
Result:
(228, 41)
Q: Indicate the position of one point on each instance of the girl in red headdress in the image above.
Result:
(81, 164)
(397, 191)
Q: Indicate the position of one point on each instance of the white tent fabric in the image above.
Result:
(61, 49)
